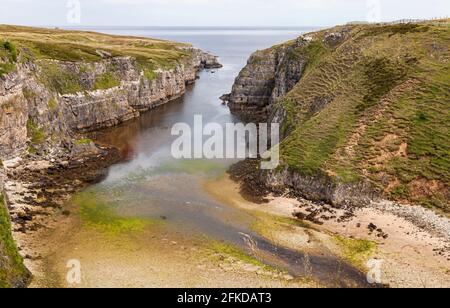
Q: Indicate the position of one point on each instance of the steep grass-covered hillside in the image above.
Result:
(358, 104)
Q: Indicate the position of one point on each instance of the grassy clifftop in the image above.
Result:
(24, 43)
(372, 104)
(89, 46)
(375, 104)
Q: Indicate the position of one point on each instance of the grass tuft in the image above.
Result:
(357, 252)
(150, 74)
(106, 81)
(83, 141)
(237, 254)
(35, 133)
(61, 80)
(6, 68)
(52, 104)
(11, 48)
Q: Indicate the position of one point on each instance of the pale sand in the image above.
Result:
(157, 258)
(409, 259)
(150, 259)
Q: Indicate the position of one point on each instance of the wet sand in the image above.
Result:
(170, 253)
(154, 257)
(412, 256)
(165, 255)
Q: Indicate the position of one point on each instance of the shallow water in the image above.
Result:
(153, 183)
(149, 184)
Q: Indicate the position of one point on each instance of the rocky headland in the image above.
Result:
(55, 86)
(363, 111)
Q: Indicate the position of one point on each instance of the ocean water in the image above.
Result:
(232, 45)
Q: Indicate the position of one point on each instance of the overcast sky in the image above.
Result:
(214, 12)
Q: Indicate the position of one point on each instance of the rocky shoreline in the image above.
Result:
(36, 188)
(254, 188)
(373, 233)
(45, 157)
(410, 239)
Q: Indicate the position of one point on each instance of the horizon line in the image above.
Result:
(162, 27)
(187, 27)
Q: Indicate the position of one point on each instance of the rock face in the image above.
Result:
(45, 106)
(269, 75)
(257, 184)
(31, 107)
(12, 271)
(321, 188)
(349, 102)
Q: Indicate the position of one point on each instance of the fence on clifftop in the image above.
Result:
(402, 21)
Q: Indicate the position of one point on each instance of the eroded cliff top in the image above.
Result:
(74, 46)
(360, 102)
(80, 81)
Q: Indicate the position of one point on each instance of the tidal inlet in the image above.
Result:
(188, 145)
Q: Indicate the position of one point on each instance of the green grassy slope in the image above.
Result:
(387, 111)
(12, 271)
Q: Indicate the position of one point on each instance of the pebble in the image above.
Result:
(419, 216)
(288, 277)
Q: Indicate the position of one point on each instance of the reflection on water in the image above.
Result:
(146, 142)
(149, 184)
(155, 183)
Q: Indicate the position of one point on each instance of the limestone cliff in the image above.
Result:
(37, 110)
(56, 85)
(269, 75)
(363, 111)
(12, 271)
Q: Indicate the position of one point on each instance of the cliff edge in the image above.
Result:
(364, 112)
(55, 86)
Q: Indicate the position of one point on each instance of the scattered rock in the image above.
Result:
(372, 227)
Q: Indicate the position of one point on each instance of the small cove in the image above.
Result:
(153, 206)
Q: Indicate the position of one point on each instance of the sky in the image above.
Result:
(214, 12)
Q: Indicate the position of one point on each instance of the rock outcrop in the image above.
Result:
(12, 270)
(50, 97)
(32, 104)
(269, 75)
(358, 123)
